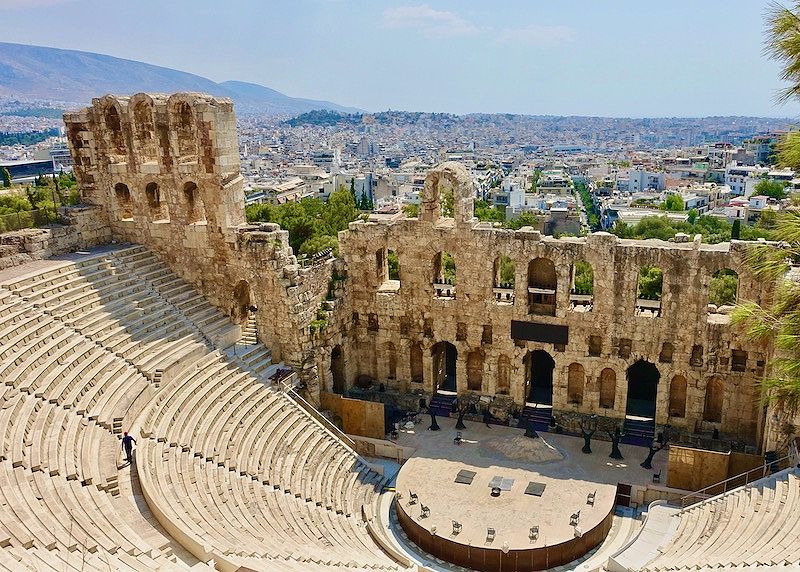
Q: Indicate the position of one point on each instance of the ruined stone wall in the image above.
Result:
(83, 227)
(389, 319)
(165, 171)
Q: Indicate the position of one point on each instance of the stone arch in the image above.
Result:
(448, 178)
(649, 291)
(504, 278)
(582, 288)
(576, 378)
(503, 375)
(715, 394)
(542, 284)
(415, 362)
(475, 370)
(608, 388)
(124, 202)
(112, 122)
(390, 355)
(195, 210)
(242, 302)
(144, 130)
(157, 207)
(444, 275)
(723, 289)
(445, 357)
(643, 379)
(677, 396)
(337, 370)
(183, 124)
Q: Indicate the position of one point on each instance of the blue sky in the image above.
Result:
(624, 58)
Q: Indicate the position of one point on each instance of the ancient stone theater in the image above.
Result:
(442, 395)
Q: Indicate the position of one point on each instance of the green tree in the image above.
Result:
(736, 229)
(258, 213)
(6, 177)
(449, 267)
(673, 203)
(447, 202)
(773, 189)
(486, 212)
(692, 216)
(650, 283)
(507, 271)
(723, 287)
(535, 179)
(411, 210)
(394, 265)
(524, 219)
(341, 210)
(584, 278)
(316, 244)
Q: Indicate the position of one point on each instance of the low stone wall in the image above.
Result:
(84, 227)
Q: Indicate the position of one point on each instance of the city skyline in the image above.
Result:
(681, 60)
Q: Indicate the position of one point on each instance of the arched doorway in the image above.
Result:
(444, 356)
(241, 302)
(337, 369)
(643, 379)
(539, 368)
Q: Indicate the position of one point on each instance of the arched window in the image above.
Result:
(390, 357)
(722, 294)
(145, 133)
(649, 291)
(394, 265)
(504, 277)
(677, 396)
(240, 310)
(117, 151)
(503, 375)
(337, 370)
(444, 275)
(576, 377)
(582, 294)
(122, 196)
(156, 206)
(542, 287)
(666, 353)
(715, 392)
(415, 363)
(475, 370)
(185, 132)
(608, 388)
(195, 210)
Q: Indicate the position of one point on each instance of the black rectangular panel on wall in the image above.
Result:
(535, 332)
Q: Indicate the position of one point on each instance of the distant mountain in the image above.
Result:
(37, 72)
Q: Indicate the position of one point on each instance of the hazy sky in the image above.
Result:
(567, 57)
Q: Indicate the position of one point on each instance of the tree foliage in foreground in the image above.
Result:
(778, 323)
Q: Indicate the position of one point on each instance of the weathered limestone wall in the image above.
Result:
(84, 227)
(165, 170)
(387, 320)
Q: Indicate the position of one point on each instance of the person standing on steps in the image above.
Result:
(127, 446)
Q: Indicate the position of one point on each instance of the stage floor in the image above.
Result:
(553, 460)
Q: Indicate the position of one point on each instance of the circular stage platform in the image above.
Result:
(454, 483)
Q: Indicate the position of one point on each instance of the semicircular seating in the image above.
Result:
(236, 471)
